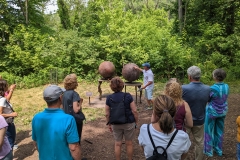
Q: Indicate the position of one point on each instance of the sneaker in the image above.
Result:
(15, 147)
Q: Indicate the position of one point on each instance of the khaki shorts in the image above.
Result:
(127, 130)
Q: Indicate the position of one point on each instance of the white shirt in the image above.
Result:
(6, 106)
(179, 145)
(148, 76)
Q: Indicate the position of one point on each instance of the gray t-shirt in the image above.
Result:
(7, 108)
(180, 144)
(69, 97)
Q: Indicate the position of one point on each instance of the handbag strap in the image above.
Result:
(150, 136)
(122, 99)
(173, 136)
(8, 104)
(169, 143)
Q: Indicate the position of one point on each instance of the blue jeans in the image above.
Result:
(238, 151)
(11, 134)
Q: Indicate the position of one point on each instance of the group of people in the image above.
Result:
(193, 108)
(181, 110)
(7, 127)
(56, 131)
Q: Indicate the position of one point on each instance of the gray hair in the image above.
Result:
(219, 74)
(194, 72)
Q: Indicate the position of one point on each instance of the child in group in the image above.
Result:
(216, 111)
(238, 137)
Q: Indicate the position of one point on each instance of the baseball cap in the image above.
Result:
(52, 93)
(146, 65)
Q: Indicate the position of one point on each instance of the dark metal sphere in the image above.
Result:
(129, 73)
(106, 69)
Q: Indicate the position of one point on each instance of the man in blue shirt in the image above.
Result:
(196, 94)
(54, 132)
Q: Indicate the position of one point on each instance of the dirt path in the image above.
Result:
(98, 143)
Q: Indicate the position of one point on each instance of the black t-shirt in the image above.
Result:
(117, 97)
(69, 97)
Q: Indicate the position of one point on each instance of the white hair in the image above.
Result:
(194, 72)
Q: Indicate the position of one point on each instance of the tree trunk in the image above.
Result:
(26, 11)
(180, 15)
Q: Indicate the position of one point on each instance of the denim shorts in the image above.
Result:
(148, 93)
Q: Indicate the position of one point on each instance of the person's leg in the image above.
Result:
(11, 134)
(146, 97)
(129, 136)
(118, 136)
(238, 151)
(149, 98)
(118, 145)
(9, 156)
(209, 127)
(79, 128)
(218, 135)
(198, 132)
(129, 146)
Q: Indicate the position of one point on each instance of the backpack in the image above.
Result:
(156, 155)
(117, 111)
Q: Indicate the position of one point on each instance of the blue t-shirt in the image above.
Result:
(53, 130)
(117, 97)
(196, 94)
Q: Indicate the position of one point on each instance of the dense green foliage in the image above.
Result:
(79, 36)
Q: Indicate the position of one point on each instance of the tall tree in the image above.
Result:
(64, 14)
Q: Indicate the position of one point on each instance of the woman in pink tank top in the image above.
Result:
(183, 116)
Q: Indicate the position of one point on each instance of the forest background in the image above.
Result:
(171, 35)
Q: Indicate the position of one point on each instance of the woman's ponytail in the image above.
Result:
(165, 109)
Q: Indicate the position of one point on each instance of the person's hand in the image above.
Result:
(143, 87)
(14, 114)
(110, 128)
(12, 87)
(136, 125)
(134, 67)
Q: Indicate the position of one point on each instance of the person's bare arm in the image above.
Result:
(2, 135)
(188, 116)
(137, 68)
(11, 89)
(76, 107)
(107, 112)
(134, 111)
(149, 83)
(13, 114)
(75, 150)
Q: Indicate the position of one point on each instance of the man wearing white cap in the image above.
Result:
(148, 83)
(55, 133)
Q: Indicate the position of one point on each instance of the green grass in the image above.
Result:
(28, 102)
